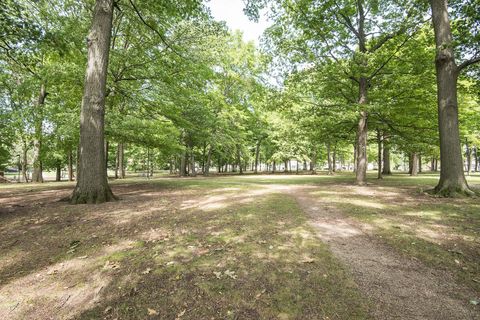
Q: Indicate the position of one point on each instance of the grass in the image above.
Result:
(215, 248)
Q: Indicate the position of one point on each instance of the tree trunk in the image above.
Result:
(329, 159)
(379, 155)
(334, 158)
(469, 157)
(37, 175)
(420, 163)
(121, 159)
(117, 161)
(70, 165)
(386, 158)
(24, 162)
(452, 179)
(257, 154)
(239, 159)
(107, 146)
(92, 184)
(355, 156)
(362, 132)
(183, 164)
(193, 172)
(476, 158)
(432, 164)
(207, 164)
(58, 176)
(413, 164)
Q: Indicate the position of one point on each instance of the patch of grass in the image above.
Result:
(257, 261)
(443, 233)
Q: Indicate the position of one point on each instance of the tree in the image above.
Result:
(92, 185)
(452, 179)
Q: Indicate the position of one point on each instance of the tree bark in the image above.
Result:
(37, 175)
(469, 157)
(334, 158)
(183, 164)
(193, 172)
(70, 165)
(92, 184)
(58, 176)
(257, 154)
(329, 159)
(413, 164)
(476, 158)
(386, 157)
(207, 164)
(362, 132)
(379, 155)
(24, 162)
(452, 179)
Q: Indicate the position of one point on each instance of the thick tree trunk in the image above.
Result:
(362, 132)
(70, 165)
(452, 179)
(379, 155)
(37, 175)
(92, 185)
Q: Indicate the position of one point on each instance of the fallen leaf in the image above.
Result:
(147, 271)
(217, 274)
(152, 312)
(108, 310)
(180, 314)
(475, 302)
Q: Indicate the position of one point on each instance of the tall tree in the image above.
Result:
(92, 185)
(452, 179)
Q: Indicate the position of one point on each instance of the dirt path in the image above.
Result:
(398, 287)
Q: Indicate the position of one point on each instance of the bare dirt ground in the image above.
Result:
(401, 288)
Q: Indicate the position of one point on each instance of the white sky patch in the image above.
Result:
(231, 11)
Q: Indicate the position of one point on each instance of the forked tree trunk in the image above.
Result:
(452, 179)
(92, 185)
(37, 175)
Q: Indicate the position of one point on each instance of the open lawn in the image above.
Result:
(241, 247)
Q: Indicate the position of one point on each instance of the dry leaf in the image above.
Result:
(180, 314)
(152, 312)
(147, 271)
(230, 274)
(308, 260)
